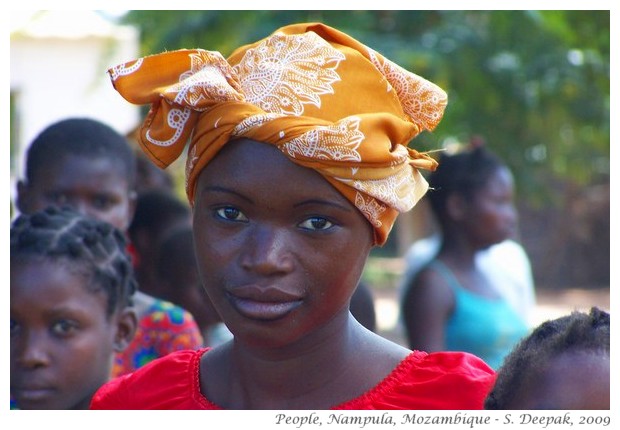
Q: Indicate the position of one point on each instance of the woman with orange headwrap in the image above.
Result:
(297, 166)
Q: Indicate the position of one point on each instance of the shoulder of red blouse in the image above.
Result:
(435, 381)
(422, 381)
(170, 382)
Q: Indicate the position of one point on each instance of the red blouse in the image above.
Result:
(441, 380)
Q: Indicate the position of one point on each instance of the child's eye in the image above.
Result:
(316, 223)
(64, 327)
(101, 202)
(58, 198)
(230, 213)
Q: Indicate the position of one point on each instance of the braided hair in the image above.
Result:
(577, 332)
(94, 246)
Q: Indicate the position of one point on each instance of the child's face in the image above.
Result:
(573, 381)
(96, 187)
(62, 341)
(279, 250)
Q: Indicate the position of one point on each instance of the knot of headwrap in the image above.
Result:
(325, 100)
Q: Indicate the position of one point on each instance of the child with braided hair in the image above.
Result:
(72, 287)
(85, 164)
(563, 364)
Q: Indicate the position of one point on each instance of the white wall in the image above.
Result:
(58, 64)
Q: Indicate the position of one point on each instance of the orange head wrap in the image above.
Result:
(324, 99)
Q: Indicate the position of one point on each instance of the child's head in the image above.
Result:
(157, 212)
(71, 290)
(82, 163)
(563, 364)
(150, 177)
(473, 191)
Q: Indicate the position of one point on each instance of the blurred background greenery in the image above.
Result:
(534, 85)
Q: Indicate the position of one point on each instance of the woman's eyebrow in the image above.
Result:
(323, 202)
(220, 189)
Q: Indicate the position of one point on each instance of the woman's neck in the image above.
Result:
(458, 252)
(460, 256)
(320, 371)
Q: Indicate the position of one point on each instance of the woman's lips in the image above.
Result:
(263, 303)
(263, 310)
(33, 394)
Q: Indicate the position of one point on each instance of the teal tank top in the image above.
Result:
(488, 328)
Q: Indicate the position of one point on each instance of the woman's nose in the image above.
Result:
(267, 251)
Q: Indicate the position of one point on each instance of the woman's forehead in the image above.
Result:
(263, 167)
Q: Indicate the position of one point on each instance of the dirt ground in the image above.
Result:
(549, 304)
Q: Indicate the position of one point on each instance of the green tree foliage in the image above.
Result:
(533, 84)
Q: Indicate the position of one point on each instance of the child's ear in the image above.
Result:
(126, 326)
(133, 202)
(131, 209)
(24, 197)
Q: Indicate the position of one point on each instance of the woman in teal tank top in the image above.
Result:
(486, 327)
(453, 305)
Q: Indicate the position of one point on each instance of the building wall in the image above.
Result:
(58, 72)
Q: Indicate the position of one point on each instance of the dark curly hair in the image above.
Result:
(579, 332)
(463, 173)
(94, 246)
(80, 136)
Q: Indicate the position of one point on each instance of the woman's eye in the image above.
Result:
(231, 214)
(316, 223)
(63, 327)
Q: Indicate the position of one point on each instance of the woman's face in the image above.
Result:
(491, 216)
(279, 250)
(61, 337)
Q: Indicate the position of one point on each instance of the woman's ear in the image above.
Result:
(126, 326)
(456, 207)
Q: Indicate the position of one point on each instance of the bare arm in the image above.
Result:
(427, 305)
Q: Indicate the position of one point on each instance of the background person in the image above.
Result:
(157, 212)
(72, 286)
(564, 364)
(180, 282)
(452, 303)
(85, 164)
(506, 263)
